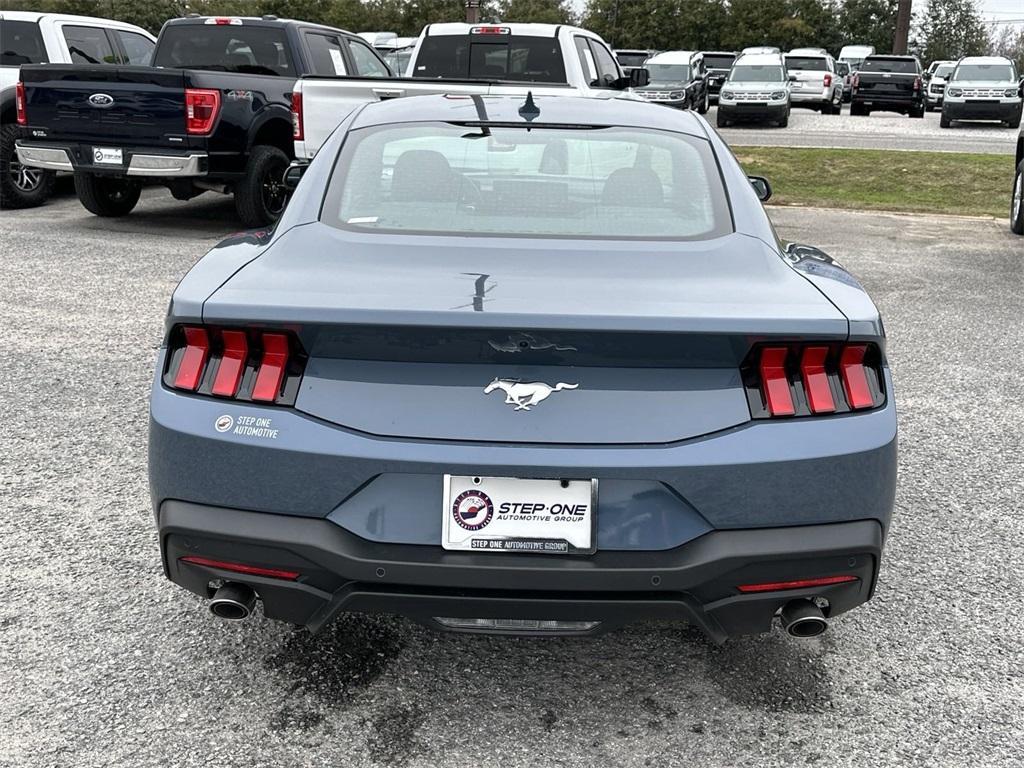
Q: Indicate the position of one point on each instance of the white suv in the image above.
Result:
(817, 83)
(983, 88)
(757, 89)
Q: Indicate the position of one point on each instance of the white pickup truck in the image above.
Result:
(464, 59)
(52, 38)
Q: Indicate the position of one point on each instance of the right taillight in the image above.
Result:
(813, 379)
(856, 81)
(201, 108)
(19, 103)
(297, 126)
(246, 364)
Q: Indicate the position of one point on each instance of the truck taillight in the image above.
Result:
(249, 365)
(297, 126)
(201, 108)
(856, 81)
(813, 379)
(19, 101)
(828, 80)
(917, 83)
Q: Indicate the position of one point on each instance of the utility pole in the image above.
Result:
(472, 11)
(899, 43)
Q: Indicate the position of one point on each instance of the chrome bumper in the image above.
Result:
(55, 159)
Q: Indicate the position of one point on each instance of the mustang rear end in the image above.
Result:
(535, 367)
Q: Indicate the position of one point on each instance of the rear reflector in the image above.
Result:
(854, 375)
(19, 103)
(197, 348)
(776, 383)
(201, 108)
(271, 372)
(516, 625)
(249, 570)
(812, 369)
(232, 363)
(775, 586)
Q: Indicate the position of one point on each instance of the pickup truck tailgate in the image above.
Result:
(129, 106)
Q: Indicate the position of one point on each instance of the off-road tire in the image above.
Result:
(260, 197)
(21, 187)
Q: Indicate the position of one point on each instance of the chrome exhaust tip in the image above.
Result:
(802, 618)
(233, 602)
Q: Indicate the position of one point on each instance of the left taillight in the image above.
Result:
(201, 108)
(19, 102)
(298, 129)
(245, 364)
(813, 379)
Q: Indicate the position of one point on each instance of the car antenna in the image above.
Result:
(529, 111)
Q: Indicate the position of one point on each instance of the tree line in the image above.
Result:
(943, 29)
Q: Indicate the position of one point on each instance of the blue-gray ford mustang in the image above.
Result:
(536, 366)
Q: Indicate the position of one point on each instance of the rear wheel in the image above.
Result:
(107, 195)
(1017, 202)
(917, 112)
(261, 196)
(20, 185)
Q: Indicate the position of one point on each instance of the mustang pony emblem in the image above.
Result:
(524, 395)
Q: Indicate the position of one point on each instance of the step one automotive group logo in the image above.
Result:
(247, 426)
(472, 510)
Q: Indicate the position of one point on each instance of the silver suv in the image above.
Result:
(817, 84)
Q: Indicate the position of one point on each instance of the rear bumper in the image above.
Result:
(74, 158)
(982, 110)
(696, 582)
(890, 102)
(810, 97)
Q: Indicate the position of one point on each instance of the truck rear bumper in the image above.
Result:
(335, 571)
(158, 165)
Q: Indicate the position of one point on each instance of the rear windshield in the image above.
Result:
(21, 43)
(901, 66)
(491, 57)
(993, 72)
(669, 73)
(815, 63)
(632, 59)
(225, 48)
(719, 62)
(756, 73)
(609, 183)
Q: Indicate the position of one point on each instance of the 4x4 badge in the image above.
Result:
(524, 395)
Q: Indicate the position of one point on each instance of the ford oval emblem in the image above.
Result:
(101, 100)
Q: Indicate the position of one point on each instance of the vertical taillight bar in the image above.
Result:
(815, 377)
(854, 376)
(201, 108)
(232, 363)
(19, 103)
(193, 359)
(297, 124)
(272, 367)
(776, 384)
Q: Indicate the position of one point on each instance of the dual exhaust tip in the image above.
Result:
(233, 602)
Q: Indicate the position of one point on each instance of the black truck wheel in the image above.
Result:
(261, 196)
(20, 185)
(107, 195)
(1017, 201)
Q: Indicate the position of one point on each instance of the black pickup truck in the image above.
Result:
(212, 113)
(888, 83)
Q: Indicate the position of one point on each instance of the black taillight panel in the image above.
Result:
(226, 350)
(818, 378)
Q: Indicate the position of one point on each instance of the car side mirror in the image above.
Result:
(762, 188)
(293, 174)
(639, 77)
(792, 78)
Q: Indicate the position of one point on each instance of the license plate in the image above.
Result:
(107, 156)
(508, 514)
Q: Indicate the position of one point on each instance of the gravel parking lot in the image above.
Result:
(879, 130)
(104, 663)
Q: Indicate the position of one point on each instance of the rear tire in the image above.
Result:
(21, 186)
(107, 195)
(917, 112)
(1017, 201)
(857, 110)
(260, 197)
